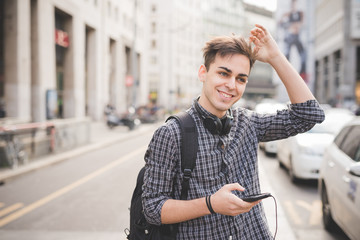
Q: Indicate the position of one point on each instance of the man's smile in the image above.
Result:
(225, 95)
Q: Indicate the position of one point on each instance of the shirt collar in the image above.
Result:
(204, 112)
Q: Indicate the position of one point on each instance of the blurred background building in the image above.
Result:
(261, 84)
(68, 59)
(174, 39)
(337, 52)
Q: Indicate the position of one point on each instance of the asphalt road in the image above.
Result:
(86, 197)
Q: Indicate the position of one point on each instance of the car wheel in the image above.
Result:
(293, 177)
(328, 221)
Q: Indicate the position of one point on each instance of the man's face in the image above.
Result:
(223, 83)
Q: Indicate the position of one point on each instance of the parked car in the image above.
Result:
(339, 181)
(303, 153)
(269, 106)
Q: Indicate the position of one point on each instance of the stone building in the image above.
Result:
(178, 31)
(337, 52)
(261, 81)
(61, 63)
(69, 58)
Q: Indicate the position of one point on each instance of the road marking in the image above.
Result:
(10, 209)
(292, 213)
(68, 188)
(314, 209)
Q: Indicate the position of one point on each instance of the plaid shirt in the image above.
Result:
(231, 158)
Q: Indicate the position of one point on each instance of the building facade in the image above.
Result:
(261, 80)
(177, 33)
(68, 59)
(174, 43)
(337, 52)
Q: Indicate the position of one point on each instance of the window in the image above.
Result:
(116, 13)
(337, 68)
(326, 71)
(153, 27)
(153, 8)
(153, 60)
(340, 137)
(153, 44)
(357, 155)
(351, 143)
(109, 9)
(317, 79)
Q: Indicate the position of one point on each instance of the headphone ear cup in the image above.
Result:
(213, 125)
(227, 126)
(218, 125)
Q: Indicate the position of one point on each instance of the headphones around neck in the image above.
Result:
(215, 124)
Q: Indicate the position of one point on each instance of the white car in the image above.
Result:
(269, 106)
(339, 181)
(303, 153)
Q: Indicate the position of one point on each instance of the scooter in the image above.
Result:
(129, 119)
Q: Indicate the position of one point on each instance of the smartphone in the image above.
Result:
(255, 197)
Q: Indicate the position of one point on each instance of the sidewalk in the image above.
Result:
(102, 136)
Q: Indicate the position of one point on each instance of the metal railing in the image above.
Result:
(18, 142)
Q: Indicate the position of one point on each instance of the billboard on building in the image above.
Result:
(293, 34)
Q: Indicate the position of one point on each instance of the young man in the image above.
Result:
(226, 166)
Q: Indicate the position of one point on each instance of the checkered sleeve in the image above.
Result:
(298, 118)
(159, 174)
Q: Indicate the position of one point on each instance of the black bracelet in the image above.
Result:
(208, 204)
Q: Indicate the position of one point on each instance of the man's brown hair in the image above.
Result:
(227, 45)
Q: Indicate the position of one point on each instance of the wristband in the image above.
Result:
(208, 204)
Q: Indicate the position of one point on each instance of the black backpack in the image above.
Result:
(140, 229)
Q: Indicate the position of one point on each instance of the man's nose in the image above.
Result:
(231, 83)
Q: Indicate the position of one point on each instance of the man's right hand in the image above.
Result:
(227, 203)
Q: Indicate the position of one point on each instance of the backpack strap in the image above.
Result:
(189, 148)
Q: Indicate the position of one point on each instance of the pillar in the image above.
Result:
(17, 59)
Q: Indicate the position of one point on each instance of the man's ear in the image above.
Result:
(202, 73)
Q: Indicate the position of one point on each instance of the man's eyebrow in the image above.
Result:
(229, 71)
(243, 75)
(226, 69)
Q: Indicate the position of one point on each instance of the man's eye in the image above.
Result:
(242, 80)
(224, 74)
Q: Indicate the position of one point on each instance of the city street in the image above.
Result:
(87, 197)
